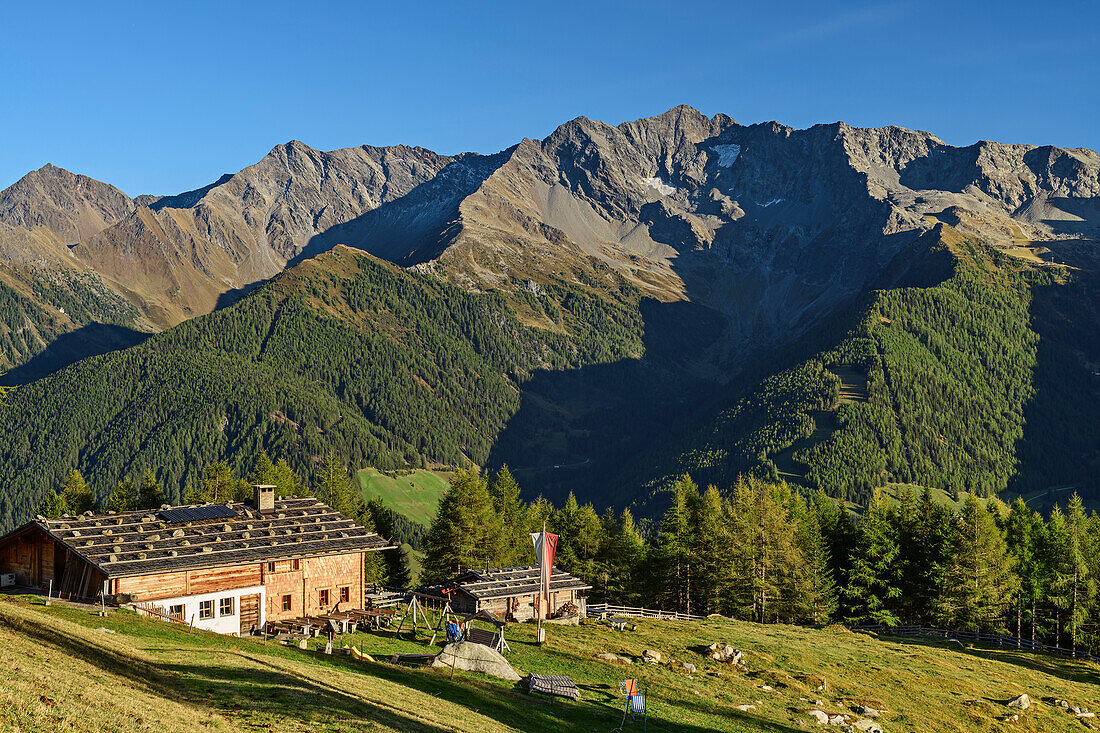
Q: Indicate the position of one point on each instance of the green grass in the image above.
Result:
(59, 672)
(415, 495)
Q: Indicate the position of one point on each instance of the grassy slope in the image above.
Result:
(60, 673)
(415, 495)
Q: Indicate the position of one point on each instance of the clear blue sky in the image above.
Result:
(161, 98)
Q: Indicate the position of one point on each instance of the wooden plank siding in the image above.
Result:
(32, 556)
(188, 582)
(305, 584)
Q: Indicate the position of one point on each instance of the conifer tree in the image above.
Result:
(1024, 537)
(124, 497)
(515, 540)
(710, 549)
(466, 531)
(1073, 586)
(218, 484)
(818, 586)
(767, 556)
(53, 506)
(671, 550)
(873, 588)
(286, 481)
(977, 584)
(77, 494)
(150, 494)
(623, 560)
(333, 486)
(263, 470)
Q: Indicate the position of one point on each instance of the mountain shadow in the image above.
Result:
(89, 340)
(1060, 450)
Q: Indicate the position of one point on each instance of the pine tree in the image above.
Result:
(124, 498)
(263, 470)
(1073, 587)
(77, 494)
(53, 506)
(287, 482)
(1024, 537)
(873, 589)
(977, 584)
(333, 486)
(710, 549)
(767, 558)
(466, 530)
(818, 586)
(515, 540)
(150, 495)
(671, 579)
(923, 533)
(623, 559)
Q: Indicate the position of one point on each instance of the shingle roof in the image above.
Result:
(137, 543)
(506, 582)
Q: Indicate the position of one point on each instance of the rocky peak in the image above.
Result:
(71, 205)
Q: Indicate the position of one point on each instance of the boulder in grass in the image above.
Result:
(819, 716)
(651, 655)
(1023, 702)
(471, 657)
(866, 725)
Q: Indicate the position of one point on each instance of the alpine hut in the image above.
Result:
(228, 568)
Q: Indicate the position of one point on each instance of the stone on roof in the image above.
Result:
(137, 543)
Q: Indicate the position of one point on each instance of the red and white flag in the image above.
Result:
(546, 544)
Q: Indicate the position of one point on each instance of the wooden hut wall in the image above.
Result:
(31, 556)
(155, 586)
(305, 584)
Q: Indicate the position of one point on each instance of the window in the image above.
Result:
(323, 597)
(345, 594)
(225, 607)
(271, 567)
(176, 611)
(287, 602)
(295, 564)
(206, 609)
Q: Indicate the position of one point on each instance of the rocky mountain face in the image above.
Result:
(769, 226)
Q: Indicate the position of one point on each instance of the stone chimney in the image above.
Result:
(263, 498)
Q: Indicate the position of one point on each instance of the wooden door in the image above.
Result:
(250, 613)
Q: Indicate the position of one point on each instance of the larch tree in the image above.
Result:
(124, 497)
(78, 496)
(515, 541)
(1024, 536)
(466, 530)
(150, 494)
(671, 565)
(977, 585)
(873, 589)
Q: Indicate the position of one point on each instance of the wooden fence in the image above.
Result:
(596, 609)
(977, 637)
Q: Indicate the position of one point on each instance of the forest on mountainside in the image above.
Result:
(346, 353)
(970, 383)
(951, 386)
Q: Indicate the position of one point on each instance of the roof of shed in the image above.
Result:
(507, 582)
(141, 542)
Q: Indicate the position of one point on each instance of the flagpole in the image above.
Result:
(540, 635)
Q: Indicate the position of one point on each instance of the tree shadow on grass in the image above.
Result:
(232, 689)
(1079, 671)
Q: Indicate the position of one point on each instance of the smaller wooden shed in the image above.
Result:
(510, 593)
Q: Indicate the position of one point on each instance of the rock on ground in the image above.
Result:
(819, 716)
(1023, 702)
(651, 655)
(472, 657)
